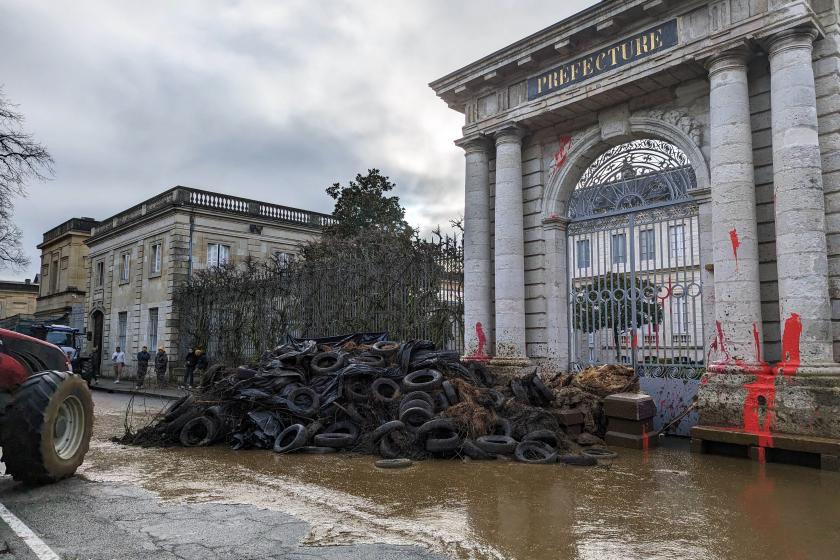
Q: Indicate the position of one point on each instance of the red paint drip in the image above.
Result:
(645, 438)
(757, 344)
(790, 345)
(481, 352)
(563, 153)
(736, 243)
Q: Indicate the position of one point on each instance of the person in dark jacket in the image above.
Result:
(189, 368)
(201, 361)
(161, 365)
(143, 358)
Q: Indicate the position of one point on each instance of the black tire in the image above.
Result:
(413, 418)
(473, 451)
(357, 389)
(501, 427)
(546, 436)
(385, 348)
(386, 429)
(369, 360)
(535, 453)
(423, 380)
(578, 460)
(217, 414)
(542, 389)
(211, 375)
(385, 390)
(451, 393)
(417, 395)
(291, 439)
(343, 427)
(393, 463)
(436, 427)
(315, 450)
(327, 362)
(497, 445)
(519, 391)
(498, 398)
(37, 448)
(198, 432)
(441, 402)
(388, 449)
(304, 402)
(600, 453)
(444, 444)
(336, 441)
(174, 410)
(417, 404)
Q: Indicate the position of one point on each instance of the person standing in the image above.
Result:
(189, 368)
(118, 358)
(161, 364)
(143, 358)
(201, 361)
(96, 359)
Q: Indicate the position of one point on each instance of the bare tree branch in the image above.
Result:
(22, 159)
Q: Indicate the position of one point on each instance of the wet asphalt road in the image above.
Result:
(81, 519)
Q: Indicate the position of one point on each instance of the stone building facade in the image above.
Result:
(139, 256)
(748, 91)
(17, 298)
(64, 270)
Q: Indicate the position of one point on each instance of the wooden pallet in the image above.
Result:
(821, 453)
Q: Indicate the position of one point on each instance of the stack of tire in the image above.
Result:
(391, 399)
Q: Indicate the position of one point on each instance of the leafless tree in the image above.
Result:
(22, 159)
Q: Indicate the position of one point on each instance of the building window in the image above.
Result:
(676, 234)
(680, 316)
(155, 259)
(647, 245)
(122, 329)
(619, 248)
(125, 267)
(100, 274)
(584, 255)
(282, 259)
(54, 277)
(153, 328)
(217, 254)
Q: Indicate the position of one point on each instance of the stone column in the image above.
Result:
(509, 249)
(557, 292)
(734, 227)
(478, 279)
(801, 253)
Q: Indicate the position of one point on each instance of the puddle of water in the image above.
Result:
(667, 504)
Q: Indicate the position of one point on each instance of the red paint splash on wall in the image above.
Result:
(736, 243)
(563, 153)
(790, 346)
(480, 352)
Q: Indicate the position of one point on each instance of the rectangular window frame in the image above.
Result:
(647, 244)
(125, 267)
(155, 259)
(122, 330)
(618, 256)
(676, 241)
(99, 274)
(583, 251)
(152, 328)
(214, 254)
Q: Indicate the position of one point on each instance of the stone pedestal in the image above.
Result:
(630, 420)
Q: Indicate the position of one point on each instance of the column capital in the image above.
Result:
(479, 144)
(731, 59)
(555, 222)
(510, 134)
(797, 38)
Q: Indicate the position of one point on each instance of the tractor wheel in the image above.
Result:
(46, 430)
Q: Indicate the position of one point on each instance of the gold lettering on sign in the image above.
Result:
(587, 66)
(599, 61)
(655, 39)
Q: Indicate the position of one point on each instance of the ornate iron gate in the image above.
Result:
(635, 290)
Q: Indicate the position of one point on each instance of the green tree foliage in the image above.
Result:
(608, 301)
(363, 205)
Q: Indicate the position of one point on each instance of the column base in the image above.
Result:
(476, 358)
(801, 404)
(510, 361)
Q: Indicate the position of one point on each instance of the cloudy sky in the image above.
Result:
(266, 99)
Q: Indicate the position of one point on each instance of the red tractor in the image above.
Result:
(46, 411)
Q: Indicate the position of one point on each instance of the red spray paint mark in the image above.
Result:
(481, 351)
(790, 346)
(757, 344)
(645, 438)
(733, 236)
(563, 153)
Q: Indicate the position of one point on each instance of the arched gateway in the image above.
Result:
(656, 183)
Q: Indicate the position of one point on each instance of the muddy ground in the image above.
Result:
(666, 503)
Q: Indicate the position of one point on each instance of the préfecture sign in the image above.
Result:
(631, 49)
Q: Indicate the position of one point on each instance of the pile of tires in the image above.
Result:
(396, 400)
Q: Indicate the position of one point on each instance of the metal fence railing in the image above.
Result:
(236, 313)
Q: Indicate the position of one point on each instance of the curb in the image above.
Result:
(128, 391)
